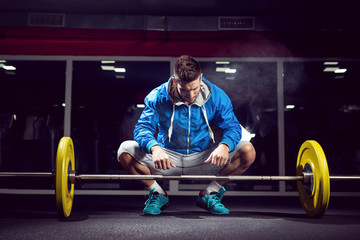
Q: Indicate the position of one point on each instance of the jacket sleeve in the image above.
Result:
(226, 120)
(146, 126)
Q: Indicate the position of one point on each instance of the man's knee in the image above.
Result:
(247, 155)
(126, 147)
(124, 159)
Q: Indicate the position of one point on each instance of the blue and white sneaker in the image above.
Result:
(212, 202)
(155, 203)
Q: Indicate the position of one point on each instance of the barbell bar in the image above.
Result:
(73, 176)
(184, 177)
(27, 174)
(313, 180)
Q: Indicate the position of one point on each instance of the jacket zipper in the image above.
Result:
(188, 138)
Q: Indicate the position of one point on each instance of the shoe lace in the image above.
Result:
(214, 200)
(154, 199)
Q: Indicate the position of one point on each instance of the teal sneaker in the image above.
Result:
(212, 202)
(155, 203)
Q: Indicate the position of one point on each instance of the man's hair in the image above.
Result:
(187, 69)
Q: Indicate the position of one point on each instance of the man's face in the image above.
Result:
(189, 90)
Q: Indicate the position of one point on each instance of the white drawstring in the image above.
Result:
(171, 123)
(207, 122)
(211, 133)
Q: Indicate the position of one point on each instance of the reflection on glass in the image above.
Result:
(31, 114)
(328, 112)
(107, 101)
(252, 88)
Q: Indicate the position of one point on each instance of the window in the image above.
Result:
(31, 114)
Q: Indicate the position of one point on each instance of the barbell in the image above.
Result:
(312, 176)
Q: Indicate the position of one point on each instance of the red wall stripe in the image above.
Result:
(103, 42)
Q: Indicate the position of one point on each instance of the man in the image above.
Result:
(182, 110)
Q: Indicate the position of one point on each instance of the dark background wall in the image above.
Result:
(261, 38)
(170, 28)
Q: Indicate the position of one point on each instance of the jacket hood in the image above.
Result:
(203, 96)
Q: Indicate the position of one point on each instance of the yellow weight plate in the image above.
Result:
(316, 200)
(64, 191)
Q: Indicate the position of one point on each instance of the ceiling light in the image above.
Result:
(225, 70)
(140, 105)
(9, 68)
(120, 70)
(222, 62)
(330, 69)
(290, 106)
(331, 63)
(230, 70)
(108, 68)
(341, 70)
(107, 62)
(221, 69)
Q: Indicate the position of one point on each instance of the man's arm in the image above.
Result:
(227, 121)
(145, 130)
(146, 126)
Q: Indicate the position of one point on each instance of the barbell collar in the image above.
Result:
(307, 177)
(72, 177)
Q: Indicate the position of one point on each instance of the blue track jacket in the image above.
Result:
(182, 128)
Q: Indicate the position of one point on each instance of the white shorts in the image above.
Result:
(186, 164)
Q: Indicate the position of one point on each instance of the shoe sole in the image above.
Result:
(162, 208)
(205, 208)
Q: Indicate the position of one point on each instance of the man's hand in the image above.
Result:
(219, 156)
(161, 159)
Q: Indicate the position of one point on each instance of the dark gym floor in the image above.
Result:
(120, 217)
